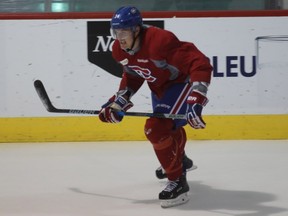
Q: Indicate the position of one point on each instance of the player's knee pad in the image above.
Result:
(157, 129)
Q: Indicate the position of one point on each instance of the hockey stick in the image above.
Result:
(40, 89)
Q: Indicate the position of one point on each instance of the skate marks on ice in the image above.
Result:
(250, 179)
(205, 198)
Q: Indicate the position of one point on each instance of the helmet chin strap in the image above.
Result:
(130, 51)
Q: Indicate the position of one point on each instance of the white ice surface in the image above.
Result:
(241, 178)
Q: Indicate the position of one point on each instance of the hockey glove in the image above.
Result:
(114, 110)
(195, 103)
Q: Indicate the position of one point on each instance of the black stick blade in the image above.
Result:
(40, 89)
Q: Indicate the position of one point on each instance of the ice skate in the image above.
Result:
(187, 166)
(175, 193)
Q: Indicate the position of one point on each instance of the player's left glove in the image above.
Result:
(114, 110)
(195, 103)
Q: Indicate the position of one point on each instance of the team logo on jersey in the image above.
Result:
(100, 44)
(143, 72)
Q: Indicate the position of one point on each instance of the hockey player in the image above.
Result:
(178, 75)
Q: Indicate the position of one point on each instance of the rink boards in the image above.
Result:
(53, 129)
(71, 54)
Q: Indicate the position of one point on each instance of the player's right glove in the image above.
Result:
(195, 103)
(114, 110)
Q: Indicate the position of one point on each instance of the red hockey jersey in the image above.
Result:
(162, 60)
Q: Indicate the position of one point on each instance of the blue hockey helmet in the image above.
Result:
(126, 17)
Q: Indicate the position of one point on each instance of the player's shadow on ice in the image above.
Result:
(206, 198)
(230, 202)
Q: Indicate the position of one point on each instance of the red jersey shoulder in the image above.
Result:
(157, 34)
(158, 40)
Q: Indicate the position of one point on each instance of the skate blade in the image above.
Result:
(180, 200)
(192, 168)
